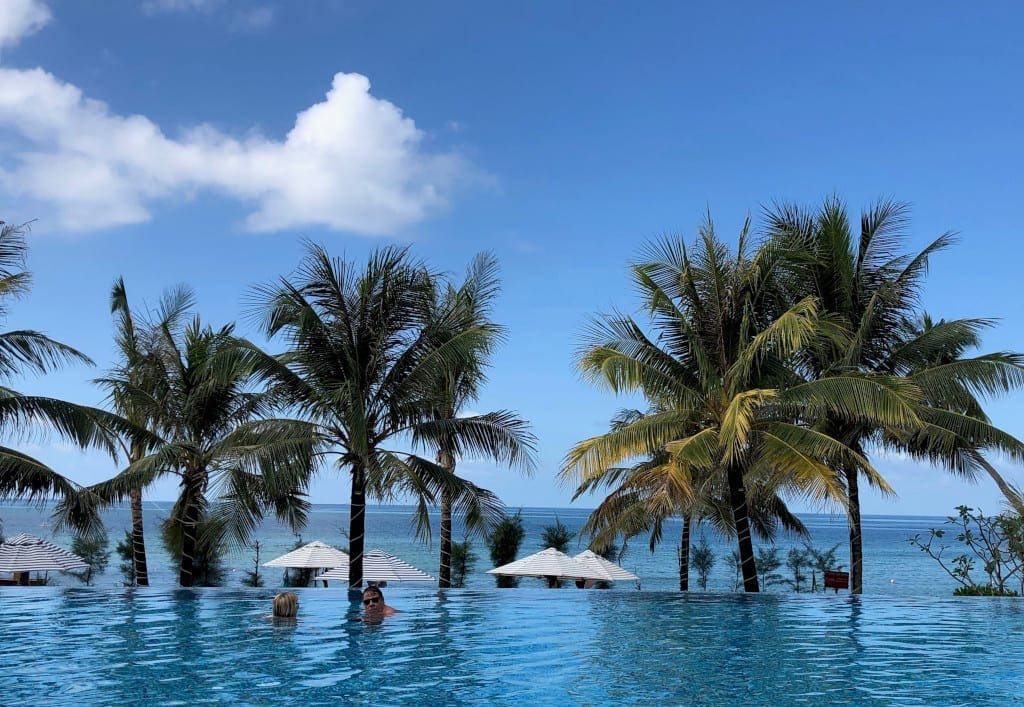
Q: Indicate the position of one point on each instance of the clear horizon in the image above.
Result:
(200, 141)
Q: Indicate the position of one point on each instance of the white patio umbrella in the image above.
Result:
(379, 566)
(550, 563)
(315, 555)
(27, 553)
(614, 572)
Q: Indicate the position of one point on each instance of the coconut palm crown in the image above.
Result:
(28, 351)
(722, 374)
(868, 285)
(499, 435)
(233, 461)
(364, 353)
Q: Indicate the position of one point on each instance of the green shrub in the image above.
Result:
(503, 543)
(978, 590)
(462, 561)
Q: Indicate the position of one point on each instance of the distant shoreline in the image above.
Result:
(148, 504)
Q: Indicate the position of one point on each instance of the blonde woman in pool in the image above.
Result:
(286, 605)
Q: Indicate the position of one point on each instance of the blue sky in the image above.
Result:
(200, 141)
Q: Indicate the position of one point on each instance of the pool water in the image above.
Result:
(86, 646)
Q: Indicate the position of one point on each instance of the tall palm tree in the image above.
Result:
(233, 462)
(139, 338)
(361, 370)
(27, 351)
(867, 285)
(498, 435)
(727, 336)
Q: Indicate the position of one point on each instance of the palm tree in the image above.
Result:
(234, 464)
(28, 351)
(499, 435)
(869, 287)
(138, 341)
(660, 487)
(361, 370)
(727, 337)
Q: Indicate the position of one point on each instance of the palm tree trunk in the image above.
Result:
(445, 572)
(684, 557)
(856, 546)
(186, 576)
(741, 519)
(447, 460)
(138, 540)
(357, 527)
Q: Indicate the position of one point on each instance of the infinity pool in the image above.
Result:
(508, 647)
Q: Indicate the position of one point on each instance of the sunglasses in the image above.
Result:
(371, 600)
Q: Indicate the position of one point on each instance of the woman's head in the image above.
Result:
(286, 605)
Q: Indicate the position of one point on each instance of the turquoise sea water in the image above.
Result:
(525, 646)
(892, 565)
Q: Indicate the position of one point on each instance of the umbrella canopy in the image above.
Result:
(550, 563)
(595, 561)
(27, 553)
(315, 555)
(379, 566)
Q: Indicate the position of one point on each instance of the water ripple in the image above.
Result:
(506, 647)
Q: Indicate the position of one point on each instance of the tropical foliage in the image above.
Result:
(644, 496)
(27, 351)
(866, 284)
(233, 462)
(719, 374)
(770, 371)
(557, 536)
(137, 375)
(94, 551)
(463, 561)
(500, 435)
(370, 356)
(703, 562)
(504, 542)
(995, 544)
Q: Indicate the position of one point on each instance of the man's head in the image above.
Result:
(373, 599)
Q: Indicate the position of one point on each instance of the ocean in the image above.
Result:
(892, 566)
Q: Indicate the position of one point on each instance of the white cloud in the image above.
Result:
(20, 18)
(352, 162)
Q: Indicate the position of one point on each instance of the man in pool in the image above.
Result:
(374, 606)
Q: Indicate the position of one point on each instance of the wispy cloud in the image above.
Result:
(253, 18)
(236, 16)
(154, 7)
(352, 162)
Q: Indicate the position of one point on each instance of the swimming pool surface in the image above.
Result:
(522, 646)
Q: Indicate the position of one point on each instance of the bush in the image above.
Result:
(996, 542)
(503, 543)
(208, 563)
(557, 536)
(95, 553)
(462, 560)
(127, 566)
(977, 590)
(703, 560)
